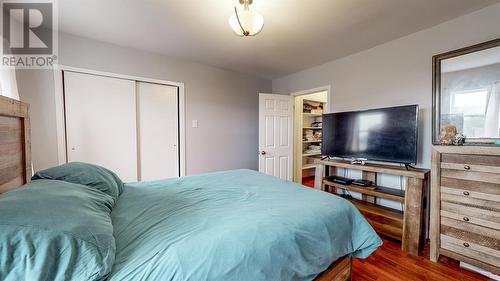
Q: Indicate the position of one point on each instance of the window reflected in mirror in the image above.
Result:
(470, 93)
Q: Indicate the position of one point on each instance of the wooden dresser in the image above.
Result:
(465, 205)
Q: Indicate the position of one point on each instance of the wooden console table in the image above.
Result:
(406, 226)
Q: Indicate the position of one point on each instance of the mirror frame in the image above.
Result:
(436, 88)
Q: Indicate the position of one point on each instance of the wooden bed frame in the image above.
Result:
(15, 166)
(338, 271)
(15, 144)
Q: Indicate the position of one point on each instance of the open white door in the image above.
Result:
(276, 135)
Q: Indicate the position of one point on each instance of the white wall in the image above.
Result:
(8, 85)
(396, 73)
(224, 102)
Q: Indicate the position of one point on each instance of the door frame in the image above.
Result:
(60, 116)
(326, 88)
(297, 145)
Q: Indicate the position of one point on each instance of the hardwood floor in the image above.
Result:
(389, 263)
(308, 181)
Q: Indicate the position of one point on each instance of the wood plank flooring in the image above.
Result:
(389, 263)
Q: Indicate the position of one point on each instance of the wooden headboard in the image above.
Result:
(15, 144)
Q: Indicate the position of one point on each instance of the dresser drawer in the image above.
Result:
(464, 200)
(471, 175)
(470, 249)
(471, 192)
(469, 227)
(476, 163)
(474, 168)
(471, 215)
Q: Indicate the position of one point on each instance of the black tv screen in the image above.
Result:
(385, 134)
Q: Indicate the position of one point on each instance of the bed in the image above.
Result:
(231, 225)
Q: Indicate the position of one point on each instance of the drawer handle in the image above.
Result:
(466, 193)
(466, 245)
(466, 219)
(467, 167)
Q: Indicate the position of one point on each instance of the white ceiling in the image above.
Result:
(297, 34)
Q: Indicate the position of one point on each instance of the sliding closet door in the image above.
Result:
(101, 122)
(158, 123)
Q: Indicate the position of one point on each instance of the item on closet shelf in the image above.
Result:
(317, 135)
(311, 135)
(306, 108)
(317, 124)
(308, 135)
(448, 134)
(314, 148)
(313, 107)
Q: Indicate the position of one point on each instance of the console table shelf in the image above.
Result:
(378, 168)
(379, 191)
(383, 220)
(407, 225)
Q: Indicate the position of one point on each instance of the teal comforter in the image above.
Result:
(234, 225)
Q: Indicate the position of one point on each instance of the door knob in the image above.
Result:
(262, 153)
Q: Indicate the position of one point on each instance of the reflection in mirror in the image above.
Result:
(470, 93)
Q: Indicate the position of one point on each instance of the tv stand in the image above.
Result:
(407, 225)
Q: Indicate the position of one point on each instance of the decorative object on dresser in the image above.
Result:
(407, 226)
(465, 189)
(448, 134)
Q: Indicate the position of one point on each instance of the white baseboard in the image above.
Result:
(480, 271)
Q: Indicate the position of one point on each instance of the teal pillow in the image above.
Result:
(55, 230)
(85, 174)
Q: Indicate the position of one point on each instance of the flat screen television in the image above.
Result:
(384, 134)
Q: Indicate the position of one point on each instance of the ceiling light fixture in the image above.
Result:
(246, 22)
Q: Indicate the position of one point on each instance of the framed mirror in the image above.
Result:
(466, 93)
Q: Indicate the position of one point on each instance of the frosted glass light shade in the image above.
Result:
(251, 22)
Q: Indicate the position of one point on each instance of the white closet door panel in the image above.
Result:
(101, 122)
(158, 131)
